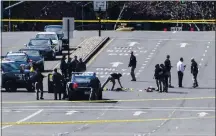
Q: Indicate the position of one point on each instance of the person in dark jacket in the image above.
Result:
(63, 66)
(157, 77)
(164, 78)
(38, 80)
(81, 66)
(57, 84)
(95, 85)
(194, 72)
(74, 64)
(69, 67)
(112, 78)
(168, 67)
(132, 64)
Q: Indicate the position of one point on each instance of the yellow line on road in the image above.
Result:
(126, 100)
(103, 121)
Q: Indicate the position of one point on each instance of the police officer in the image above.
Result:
(81, 66)
(164, 78)
(168, 67)
(38, 79)
(57, 84)
(112, 79)
(157, 77)
(74, 64)
(132, 64)
(95, 85)
(63, 66)
(194, 72)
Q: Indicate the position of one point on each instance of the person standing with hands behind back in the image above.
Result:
(132, 64)
(180, 68)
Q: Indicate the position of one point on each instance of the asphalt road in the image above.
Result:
(134, 112)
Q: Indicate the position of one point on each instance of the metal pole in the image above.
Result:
(9, 17)
(99, 22)
(82, 17)
(68, 30)
(13, 5)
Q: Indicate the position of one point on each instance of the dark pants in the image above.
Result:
(106, 82)
(165, 84)
(159, 85)
(57, 91)
(132, 73)
(39, 88)
(180, 78)
(169, 77)
(64, 73)
(195, 79)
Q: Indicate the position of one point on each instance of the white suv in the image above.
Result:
(55, 40)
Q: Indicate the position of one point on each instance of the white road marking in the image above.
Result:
(142, 67)
(209, 42)
(153, 50)
(26, 118)
(202, 114)
(144, 64)
(137, 113)
(174, 32)
(207, 46)
(205, 50)
(133, 43)
(70, 112)
(148, 58)
(112, 54)
(204, 54)
(152, 53)
(115, 64)
(200, 64)
(182, 45)
(146, 61)
(202, 59)
(109, 50)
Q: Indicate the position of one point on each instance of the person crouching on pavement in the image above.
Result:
(57, 84)
(157, 77)
(112, 79)
(165, 77)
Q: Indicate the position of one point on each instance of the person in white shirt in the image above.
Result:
(180, 69)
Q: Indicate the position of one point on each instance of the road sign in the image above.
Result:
(100, 5)
(65, 26)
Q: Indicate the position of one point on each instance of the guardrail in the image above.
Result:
(209, 21)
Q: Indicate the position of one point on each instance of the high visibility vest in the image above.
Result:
(32, 69)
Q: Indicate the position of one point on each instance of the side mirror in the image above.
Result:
(25, 45)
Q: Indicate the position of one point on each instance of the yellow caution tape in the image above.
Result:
(116, 21)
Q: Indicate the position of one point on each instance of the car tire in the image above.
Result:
(10, 86)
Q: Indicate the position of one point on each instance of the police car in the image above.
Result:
(18, 57)
(12, 77)
(79, 86)
(35, 56)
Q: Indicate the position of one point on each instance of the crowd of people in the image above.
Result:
(162, 74)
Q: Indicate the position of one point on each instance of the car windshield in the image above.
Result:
(36, 42)
(16, 57)
(79, 79)
(54, 29)
(50, 36)
(8, 67)
(32, 53)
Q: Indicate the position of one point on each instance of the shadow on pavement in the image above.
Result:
(178, 92)
(105, 101)
(48, 70)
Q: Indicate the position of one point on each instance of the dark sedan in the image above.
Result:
(44, 46)
(35, 57)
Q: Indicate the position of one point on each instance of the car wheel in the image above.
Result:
(10, 86)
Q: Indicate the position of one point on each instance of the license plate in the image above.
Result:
(87, 92)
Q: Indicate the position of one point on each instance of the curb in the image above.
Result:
(96, 49)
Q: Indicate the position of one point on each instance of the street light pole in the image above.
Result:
(82, 17)
(9, 17)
